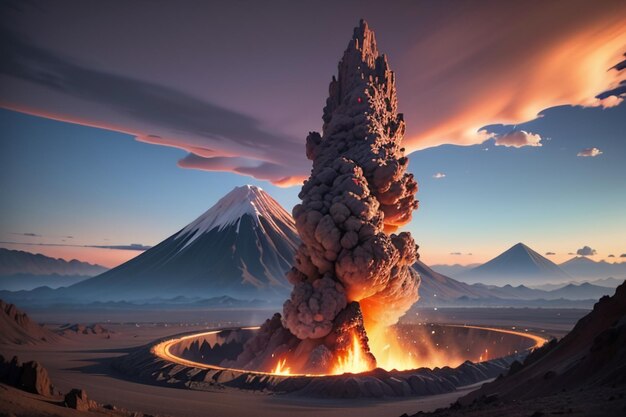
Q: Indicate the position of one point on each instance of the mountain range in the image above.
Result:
(242, 246)
(517, 265)
(20, 270)
(582, 267)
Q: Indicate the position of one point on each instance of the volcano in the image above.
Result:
(241, 247)
(517, 265)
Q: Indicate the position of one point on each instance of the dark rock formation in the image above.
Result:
(17, 328)
(78, 328)
(77, 399)
(29, 376)
(592, 354)
(584, 373)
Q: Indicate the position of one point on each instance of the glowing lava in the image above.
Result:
(281, 368)
(353, 361)
(386, 345)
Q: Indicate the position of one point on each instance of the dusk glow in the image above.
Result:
(343, 208)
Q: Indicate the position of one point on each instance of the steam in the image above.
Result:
(358, 194)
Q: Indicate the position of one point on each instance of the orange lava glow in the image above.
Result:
(281, 368)
(353, 361)
(394, 348)
(389, 352)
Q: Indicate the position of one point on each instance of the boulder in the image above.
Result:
(77, 399)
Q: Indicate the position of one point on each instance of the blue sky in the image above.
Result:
(96, 123)
(104, 188)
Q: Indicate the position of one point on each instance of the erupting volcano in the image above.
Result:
(352, 277)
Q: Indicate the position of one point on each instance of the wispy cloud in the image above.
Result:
(465, 86)
(439, 175)
(27, 234)
(550, 253)
(132, 246)
(589, 152)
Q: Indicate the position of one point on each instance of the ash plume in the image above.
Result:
(352, 274)
(358, 194)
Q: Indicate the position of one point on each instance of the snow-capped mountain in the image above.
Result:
(518, 265)
(241, 247)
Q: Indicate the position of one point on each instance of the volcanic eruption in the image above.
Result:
(352, 275)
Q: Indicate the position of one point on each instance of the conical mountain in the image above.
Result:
(519, 265)
(241, 247)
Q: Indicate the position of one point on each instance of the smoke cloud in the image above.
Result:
(358, 194)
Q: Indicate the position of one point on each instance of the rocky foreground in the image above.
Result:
(583, 374)
(26, 390)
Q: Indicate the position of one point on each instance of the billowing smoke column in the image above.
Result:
(358, 193)
(351, 273)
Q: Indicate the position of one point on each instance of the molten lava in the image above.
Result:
(353, 361)
(281, 368)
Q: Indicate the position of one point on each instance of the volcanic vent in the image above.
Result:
(352, 276)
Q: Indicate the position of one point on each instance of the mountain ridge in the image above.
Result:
(14, 262)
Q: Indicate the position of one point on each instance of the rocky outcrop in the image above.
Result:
(77, 399)
(592, 354)
(583, 374)
(29, 376)
(78, 328)
(16, 328)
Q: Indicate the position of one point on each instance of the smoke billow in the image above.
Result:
(351, 272)
(358, 192)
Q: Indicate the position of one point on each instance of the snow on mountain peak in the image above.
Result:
(247, 199)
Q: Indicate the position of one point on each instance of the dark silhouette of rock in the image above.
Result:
(77, 399)
(592, 354)
(584, 369)
(30, 376)
(35, 379)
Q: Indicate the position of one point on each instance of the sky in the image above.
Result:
(122, 122)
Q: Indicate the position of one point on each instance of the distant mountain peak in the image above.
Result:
(517, 265)
(245, 200)
(579, 260)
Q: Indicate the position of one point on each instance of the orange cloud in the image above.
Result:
(460, 67)
(510, 68)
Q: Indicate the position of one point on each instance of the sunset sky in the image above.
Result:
(123, 121)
